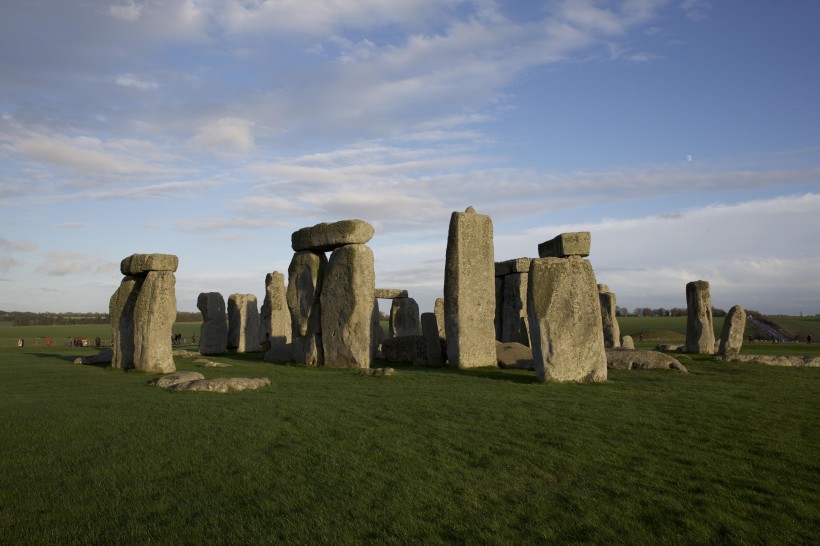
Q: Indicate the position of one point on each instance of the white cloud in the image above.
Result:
(129, 11)
(8, 245)
(62, 263)
(225, 135)
(130, 80)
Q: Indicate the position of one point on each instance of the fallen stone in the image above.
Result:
(514, 355)
(103, 357)
(734, 325)
(205, 363)
(377, 372)
(404, 317)
(787, 361)
(223, 384)
(332, 235)
(404, 349)
(669, 347)
(170, 380)
(137, 264)
(390, 293)
(508, 267)
(565, 245)
(622, 359)
(185, 353)
(700, 335)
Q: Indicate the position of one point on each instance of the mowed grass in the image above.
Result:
(60, 334)
(726, 454)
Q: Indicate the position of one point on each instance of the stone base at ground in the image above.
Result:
(624, 359)
(377, 372)
(514, 355)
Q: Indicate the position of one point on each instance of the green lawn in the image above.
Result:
(726, 454)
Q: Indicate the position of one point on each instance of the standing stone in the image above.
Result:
(565, 321)
(432, 341)
(700, 335)
(121, 312)
(499, 307)
(514, 322)
(731, 337)
(469, 290)
(155, 311)
(628, 343)
(275, 329)
(404, 317)
(243, 323)
(376, 331)
(305, 277)
(439, 311)
(609, 321)
(346, 300)
(213, 334)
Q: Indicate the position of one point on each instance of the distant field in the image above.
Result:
(35, 336)
(800, 327)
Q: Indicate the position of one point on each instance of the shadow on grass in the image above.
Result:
(55, 356)
(498, 374)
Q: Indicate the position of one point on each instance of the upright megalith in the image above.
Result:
(213, 334)
(332, 235)
(609, 319)
(305, 277)
(514, 277)
(346, 301)
(469, 290)
(439, 312)
(731, 337)
(275, 333)
(376, 332)
(243, 323)
(404, 317)
(700, 335)
(432, 341)
(565, 320)
(143, 311)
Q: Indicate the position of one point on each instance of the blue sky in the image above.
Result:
(685, 135)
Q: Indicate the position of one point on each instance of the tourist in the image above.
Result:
(808, 339)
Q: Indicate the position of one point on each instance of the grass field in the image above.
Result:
(726, 454)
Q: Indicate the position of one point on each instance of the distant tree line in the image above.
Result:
(673, 312)
(26, 318)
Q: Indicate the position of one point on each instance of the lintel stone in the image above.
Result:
(331, 235)
(566, 244)
(390, 293)
(508, 267)
(137, 264)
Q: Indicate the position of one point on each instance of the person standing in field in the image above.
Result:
(808, 339)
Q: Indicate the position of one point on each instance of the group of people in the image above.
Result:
(177, 339)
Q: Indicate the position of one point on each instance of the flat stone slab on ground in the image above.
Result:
(205, 363)
(566, 244)
(512, 355)
(167, 381)
(789, 361)
(331, 235)
(377, 372)
(136, 264)
(625, 359)
(223, 384)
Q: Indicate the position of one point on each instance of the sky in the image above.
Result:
(684, 135)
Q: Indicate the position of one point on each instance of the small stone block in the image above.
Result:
(566, 244)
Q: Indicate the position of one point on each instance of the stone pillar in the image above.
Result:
(143, 311)
(498, 322)
(514, 275)
(243, 323)
(731, 337)
(213, 334)
(348, 291)
(376, 331)
(565, 318)
(275, 331)
(432, 341)
(439, 311)
(609, 321)
(404, 317)
(700, 334)
(469, 291)
(305, 276)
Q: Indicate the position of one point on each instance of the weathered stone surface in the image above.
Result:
(565, 321)
(376, 332)
(603, 288)
(205, 363)
(498, 319)
(669, 347)
(439, 311)
(404, 317)
(305, 277)
(508, 267)
(121, 312)
(185, 353)
(514, 355)
(514, 322)
(432, 341)
(275, 330)
(377, 372)
(621, 359)
(243, 323)
(223, 384)
(789, 361)
(469, 291)
(103, 357)
(627, 343)
(700, 335)
(731, 338)
(168, 381)
(347, 307)
(404, 349)
(155, 311)
(137, 264)
(609, 321)
(332, 235)
(390, 293)
(213, 334)
(565, 245)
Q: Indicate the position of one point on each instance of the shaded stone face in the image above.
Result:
(609, 321)
(404, 317)
(243, 323)
(700, 335)
(155, 311)
(731, 338)
(137, 264)
(514, 321)
(390, 293)
(469, 291)
(121, 312)
(346, 301)
(565, 321)
(408, 349)
(305, 275)
(332, 235)
(275, 331)
(376, 332)
(518, 265)
(432, 341)
(565, 245)
(213, 334)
